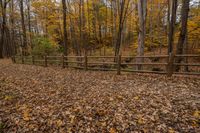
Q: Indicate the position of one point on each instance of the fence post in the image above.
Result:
(86, 63)
(170, 65)
(33, 60)
(45, 61)
(22, 59)
(119, 65)
(63, 61)
(66, 61)
(13, 59)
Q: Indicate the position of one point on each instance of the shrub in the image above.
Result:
(43, 46)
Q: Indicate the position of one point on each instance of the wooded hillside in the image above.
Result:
(105, 27)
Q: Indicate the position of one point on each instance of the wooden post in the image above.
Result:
(13, 59)
(33, 60)
(66, 63)
(45, 61)
(86, 63)
(119, 65)
(63, 61)
(170, 65)
(22, 59)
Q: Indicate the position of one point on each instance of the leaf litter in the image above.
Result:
(38, 99)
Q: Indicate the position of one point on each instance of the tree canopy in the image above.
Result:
(87, 26)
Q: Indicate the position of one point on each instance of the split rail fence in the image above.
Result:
(159, 64)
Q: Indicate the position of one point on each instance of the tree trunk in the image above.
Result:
(24, 47)
(84, 39)
(122, 16)
(3, 25)
(142, 7)
(76, 46)
(12, 21)
(182, 37)
(186, 52)
(171, 21)
(65, 27)
(29, 23)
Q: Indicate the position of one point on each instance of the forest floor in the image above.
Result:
(38, 99)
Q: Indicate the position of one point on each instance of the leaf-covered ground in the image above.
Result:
(38, 99)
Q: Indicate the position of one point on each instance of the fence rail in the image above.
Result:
(119, 63)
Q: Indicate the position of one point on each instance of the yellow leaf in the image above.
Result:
(195, 123)
(113, 130)
(141, 121)
(120, 97)
(136, 98)
(72, 118)
(145, 130)
(171, 130)
(197, 114)
(103, 124)
(111, 99)
(8, 98)
(59, 123)
(26, 115)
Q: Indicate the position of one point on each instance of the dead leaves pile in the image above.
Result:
(37, 99)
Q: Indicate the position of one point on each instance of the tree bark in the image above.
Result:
(122, 16)
(76, 46)
(65, 27)
(24, 47)
(183, 32)
(12, 21)
(3, 25)
(142, 7)
(29, 22)
(171, 21)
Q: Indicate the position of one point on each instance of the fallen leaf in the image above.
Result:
(113, 130)
(59, 123)
(136, 98)
(196, 114)
(171, 130)
(26, 115)
(8, 98)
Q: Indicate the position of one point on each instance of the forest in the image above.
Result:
(100, 66)
(99, 27)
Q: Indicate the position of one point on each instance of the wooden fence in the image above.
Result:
(160, 64)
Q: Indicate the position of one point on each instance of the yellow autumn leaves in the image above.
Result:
(8, 97)
(26, 113)
(196, 115)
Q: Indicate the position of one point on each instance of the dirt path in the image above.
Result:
(37, 99)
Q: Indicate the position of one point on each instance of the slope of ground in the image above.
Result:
(38, 99)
